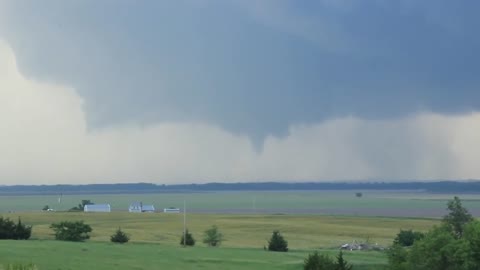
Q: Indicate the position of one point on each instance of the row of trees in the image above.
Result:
(277, 243)
(213, 238)
(454, 245)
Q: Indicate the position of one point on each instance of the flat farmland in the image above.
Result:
(309, 220)
(155, 240)
(373, 203)
(241, 231)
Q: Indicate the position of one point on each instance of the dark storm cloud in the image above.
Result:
(252, 67)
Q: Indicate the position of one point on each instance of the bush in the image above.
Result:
(71, 231)
(119, 237)
(10, 230)
(406, 238)
(397, 257)
(213, 237)
(190, 240)
(342, 264)
(316, 261)
(277, 242)
(453, 245)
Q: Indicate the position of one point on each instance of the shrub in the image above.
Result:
(406, 238)
(213, 237)
(316, 261)
(277, 242)
(71, 230)
(342, 264)
(10, 230)
(397, 257)
(119, 237)
(190, 240)
(22, 231)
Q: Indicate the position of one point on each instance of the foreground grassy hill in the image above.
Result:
(57, 255)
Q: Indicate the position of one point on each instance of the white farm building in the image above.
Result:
(100, 208)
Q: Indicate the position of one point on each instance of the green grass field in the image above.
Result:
(56, 255)
(250, 231)
(155, 240)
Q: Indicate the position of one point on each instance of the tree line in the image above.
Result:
(453, 245)
(139, 188)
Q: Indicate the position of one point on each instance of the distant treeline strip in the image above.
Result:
(136, 188)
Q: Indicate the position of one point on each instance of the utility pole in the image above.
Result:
(184, 223)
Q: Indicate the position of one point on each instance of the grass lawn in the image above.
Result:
(56, 255)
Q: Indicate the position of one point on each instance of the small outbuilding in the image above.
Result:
(171, 210)
(100, 208)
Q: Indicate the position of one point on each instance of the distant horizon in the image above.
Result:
(260, 182)
(139, 188)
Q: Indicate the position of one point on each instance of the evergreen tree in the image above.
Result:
(457, 217)
(342, 264)
(119, 237)
(277, 242)
(190, 240)
(317, 261)
(22, 231)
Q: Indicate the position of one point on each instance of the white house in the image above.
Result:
(101, 208)
(135, 207)
(139, 207)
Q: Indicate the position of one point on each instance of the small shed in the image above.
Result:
(171, 210)
(100, 208)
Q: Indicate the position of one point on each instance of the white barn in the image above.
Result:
(100, 208)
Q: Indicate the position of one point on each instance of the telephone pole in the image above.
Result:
(184, 223)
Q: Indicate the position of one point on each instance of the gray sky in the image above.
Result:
(196, 91)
